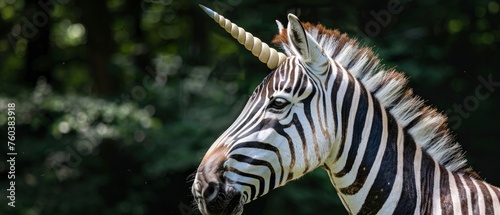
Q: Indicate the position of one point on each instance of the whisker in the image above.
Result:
(190, 178)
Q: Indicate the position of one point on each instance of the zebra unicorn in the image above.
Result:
(328, 103)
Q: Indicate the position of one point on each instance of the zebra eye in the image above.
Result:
(278, 103)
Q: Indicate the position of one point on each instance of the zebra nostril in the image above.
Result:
(211, 191)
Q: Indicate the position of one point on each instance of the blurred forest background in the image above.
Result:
(117, 101)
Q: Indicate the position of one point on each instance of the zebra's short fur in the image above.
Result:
(330, 103)
(426, 125)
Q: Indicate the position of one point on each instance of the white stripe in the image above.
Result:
(455, 200)
(235, 177)
(356, 201)
(260, 154)
(262, 171)
(351, 175)
(339, 165)
(467, 193)
(365, 136)
(417, 162)
(494, 199)
(300, 157)
(436, 192)
(480, 198)
(397, 187)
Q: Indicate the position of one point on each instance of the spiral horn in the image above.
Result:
(266, 54)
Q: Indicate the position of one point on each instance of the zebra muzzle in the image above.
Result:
(212, 193)
(217, 198)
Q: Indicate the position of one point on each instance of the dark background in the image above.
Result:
(117, 101)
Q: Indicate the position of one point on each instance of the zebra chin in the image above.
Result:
(215, 198)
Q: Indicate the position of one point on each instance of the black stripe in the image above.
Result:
(346, 107)
(408, 200)
(264, 146)
(280, 130)
(320, 96)
(333, 97)
(329, 74)
(371, 152)
(359, 124)
(497, 193)
(325, 108)
(427, 183)
(380, 190)
(259, 126)
(249, 160)
(461, 193)
(473, 195)
(444, 188)
(488, 209)
(288, 81)
(251, 112)
(298, 124)
(252, 187)
(299, 85)
(303, 85)
(256, 162)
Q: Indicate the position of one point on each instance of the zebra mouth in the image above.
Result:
(234, 206)
(228, 202)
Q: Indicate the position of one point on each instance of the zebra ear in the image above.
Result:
(280, 26)
(304, 45)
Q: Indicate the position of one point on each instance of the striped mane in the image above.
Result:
(424, 123)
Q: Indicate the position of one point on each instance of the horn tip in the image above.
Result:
(207, 10)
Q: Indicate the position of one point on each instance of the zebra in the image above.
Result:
(329, 103)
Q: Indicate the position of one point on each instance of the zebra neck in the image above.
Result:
(377, 167)
(368, 157)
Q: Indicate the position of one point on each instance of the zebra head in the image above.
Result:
(283, 131)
